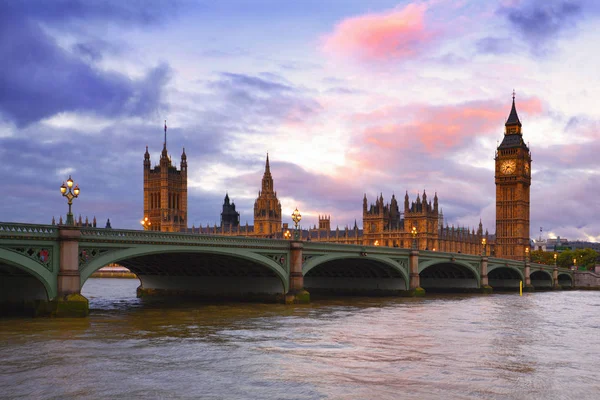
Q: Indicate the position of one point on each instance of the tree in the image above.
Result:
(586, 258)
(542, 257)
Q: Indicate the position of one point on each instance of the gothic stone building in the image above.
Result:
(165, 192)
(513, 180)
(267, 214)
(165, 202)
(388, 225)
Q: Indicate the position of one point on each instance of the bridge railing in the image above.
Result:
(137, 236)
(9, 229)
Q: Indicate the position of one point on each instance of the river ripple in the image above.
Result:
(539, 346)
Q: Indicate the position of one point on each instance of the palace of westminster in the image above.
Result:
(386, 224)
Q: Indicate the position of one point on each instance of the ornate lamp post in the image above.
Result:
(414, 232)
(527, 254)
(296, 217)
(287, 235)
(555, 257)
(574, 263)
(146, 223)
(483, 244)
(70, 193)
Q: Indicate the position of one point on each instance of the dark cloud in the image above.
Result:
(40, 79)
(259, 101)
(63, 11)
(539, 21)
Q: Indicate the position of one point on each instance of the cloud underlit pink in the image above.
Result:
(392, 35)
(435, 130)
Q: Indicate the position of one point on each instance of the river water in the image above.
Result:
(501, 346)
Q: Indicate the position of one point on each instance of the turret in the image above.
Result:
(146, 159)
(183, 161)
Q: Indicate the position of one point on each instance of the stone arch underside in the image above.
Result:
(22, 279)
(205, 274)
(505, 278)
(355, 276)
(565, 280)
(541, 279)
(447, 276)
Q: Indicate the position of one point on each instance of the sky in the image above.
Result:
(347, 97)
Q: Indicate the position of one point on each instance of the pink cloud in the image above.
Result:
(436, 129)
(392, 35)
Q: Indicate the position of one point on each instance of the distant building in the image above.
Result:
(230, 219)
(267, 208)
(581, 244)
(165, 192)
(513, 181)
(384, 224)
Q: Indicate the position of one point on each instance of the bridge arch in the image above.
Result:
(565, 280)
(541, 279)
(504, 276)
(29, 285)
(354, 274)
(233, 254)
(441, 275)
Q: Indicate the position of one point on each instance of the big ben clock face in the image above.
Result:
(508, 167)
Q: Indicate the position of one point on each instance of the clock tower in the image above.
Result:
(513, 180)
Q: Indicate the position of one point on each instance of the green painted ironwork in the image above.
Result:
(36, 249)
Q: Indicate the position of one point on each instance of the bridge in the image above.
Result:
(44, 267)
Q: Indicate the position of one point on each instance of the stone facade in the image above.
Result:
(267, 209)
(513, 180)
(385, 225)
(165, 192)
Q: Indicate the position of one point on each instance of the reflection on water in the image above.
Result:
(539, 346)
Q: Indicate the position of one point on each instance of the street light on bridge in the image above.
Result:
(296, 217)
(70, 193)
(414, 232)
(483, 243)
(146, 223)
(527, 254)
(555, 257)
(287, 235)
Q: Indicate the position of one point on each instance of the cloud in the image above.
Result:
(540, 21)
(260, 101)
(390, 36)
(65, 11)
(495, 45)
(40, 79)
(435, 130)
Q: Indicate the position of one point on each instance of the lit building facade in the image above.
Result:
(165, 192)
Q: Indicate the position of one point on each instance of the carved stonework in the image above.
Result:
(86, 255)
(278, 258)
(41, 255)
(306, 258)
(403, 263)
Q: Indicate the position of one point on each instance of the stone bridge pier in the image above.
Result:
(296, 293)
(69, 302)
(43, 267)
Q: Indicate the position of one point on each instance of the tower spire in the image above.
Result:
(513, 118)
(165, 144)
(267, 167)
